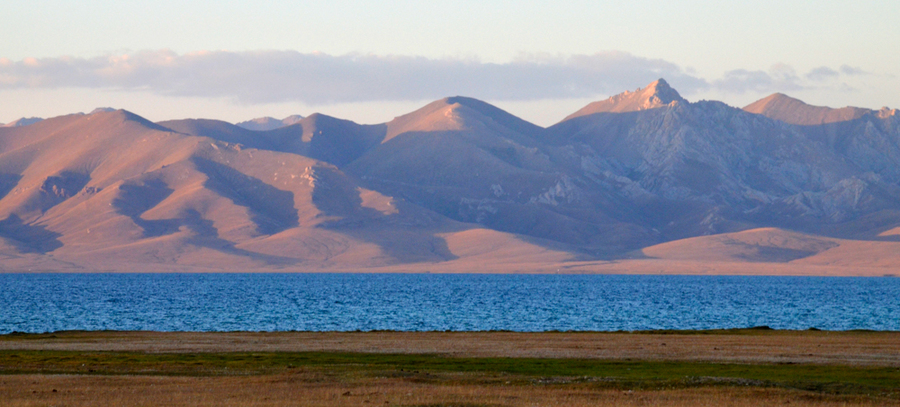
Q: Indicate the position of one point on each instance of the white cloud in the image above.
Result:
(783, 78)
(779, 78)
(266, 77)
(288, 76)
(822, 73)
(852, 70)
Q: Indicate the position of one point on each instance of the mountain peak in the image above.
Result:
(886, 112)
(660, 88)
(458, 113)
(269, 123)
(655, 95)
(107, 116)
(773, 100)
(784, 108)
(103, 110)
(451, 113)
(25, 121)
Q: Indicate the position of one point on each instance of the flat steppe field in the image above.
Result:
(749, 367)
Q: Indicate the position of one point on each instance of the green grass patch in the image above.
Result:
(828, 379)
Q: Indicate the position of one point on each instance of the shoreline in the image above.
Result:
(404, 271)
(624, 266)
(711, 331)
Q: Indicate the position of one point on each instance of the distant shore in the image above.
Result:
(859, 266)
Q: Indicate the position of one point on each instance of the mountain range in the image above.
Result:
(642, 182)
(269, 123)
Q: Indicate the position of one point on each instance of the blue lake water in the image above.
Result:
(433, 302)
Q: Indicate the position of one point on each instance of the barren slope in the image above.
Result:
(475, 163)
(111, 190)
(784, 108)
(643, 182)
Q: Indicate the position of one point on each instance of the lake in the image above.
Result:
(436, 302)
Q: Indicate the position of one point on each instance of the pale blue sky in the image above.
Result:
(824, 52)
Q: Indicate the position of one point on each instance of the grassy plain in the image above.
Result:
(735, 367)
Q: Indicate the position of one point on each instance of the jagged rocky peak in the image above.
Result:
(886, 112)
(655, 95)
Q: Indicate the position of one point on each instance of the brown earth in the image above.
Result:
(741, 346)
(309, 390)
(318, 387)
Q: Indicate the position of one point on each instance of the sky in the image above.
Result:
(370, 61)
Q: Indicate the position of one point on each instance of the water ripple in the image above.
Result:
(429, 302)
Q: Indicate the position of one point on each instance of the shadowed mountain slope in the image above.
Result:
(718, 169)
(317, 136)
(221, 131)
(112, 189)
(475, 163)
(639, 180)
(269, 123)
(329, 139)
(868, 138)
(25, 121)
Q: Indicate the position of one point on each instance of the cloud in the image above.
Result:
(783, 78)
(852, 70)
(282, 76)
(779, 78)
(256, 77)
(822, 73)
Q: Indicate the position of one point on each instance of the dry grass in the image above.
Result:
(632, 369)
(740, 346)
(312, 390)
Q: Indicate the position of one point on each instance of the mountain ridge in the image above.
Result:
(653, 96)
(459, 185)
(269, 123)
(24, 121)
(784, 108)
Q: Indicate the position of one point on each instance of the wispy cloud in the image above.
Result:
(779, 77)
(280, 76)
(783, 78)
(255, 77)
(852, 70)
(822, 73)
